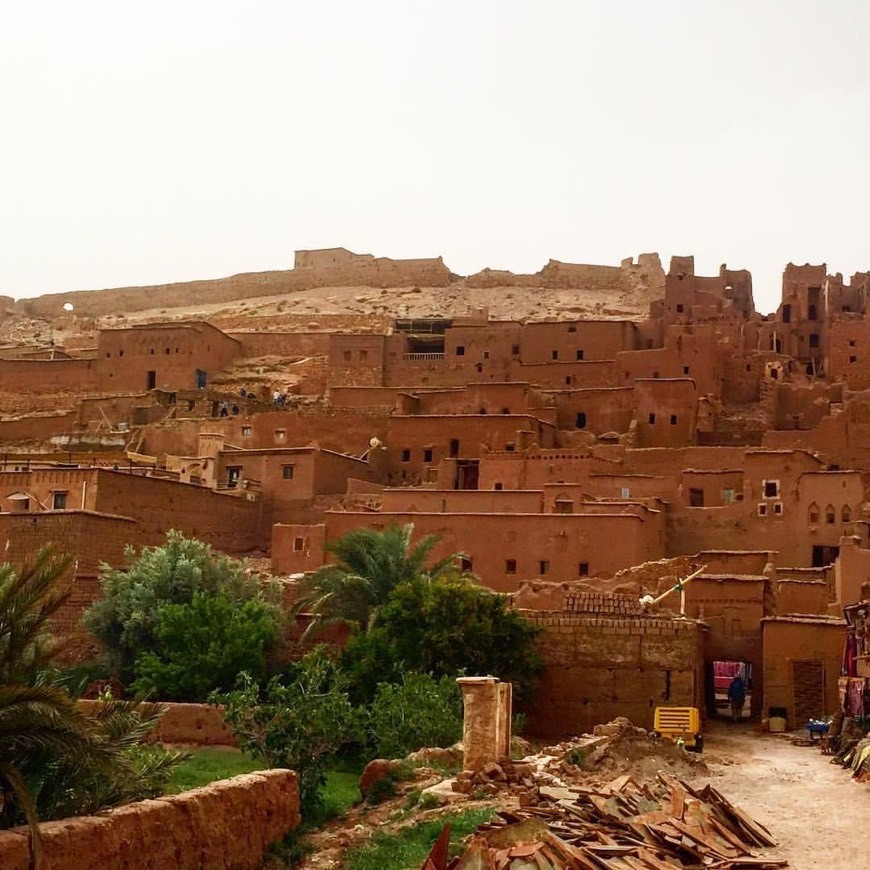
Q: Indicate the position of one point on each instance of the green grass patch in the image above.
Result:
(209, 765)
(407, 849)
(341, 792)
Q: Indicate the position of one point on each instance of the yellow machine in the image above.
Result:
(680, 724)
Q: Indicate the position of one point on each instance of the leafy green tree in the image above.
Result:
(127, 620)
(204, 646)
(369, 565)
(295, 724)
(419, 711)
(54, 760)
(445, 627)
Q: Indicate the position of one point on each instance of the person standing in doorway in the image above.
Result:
(737, 697)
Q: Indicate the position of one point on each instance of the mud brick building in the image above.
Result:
(579, 460)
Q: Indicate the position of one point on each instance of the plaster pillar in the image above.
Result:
(486, 732)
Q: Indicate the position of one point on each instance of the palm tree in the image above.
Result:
(39, 721)
(369, 564)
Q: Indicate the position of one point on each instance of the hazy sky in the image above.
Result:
(144, 142)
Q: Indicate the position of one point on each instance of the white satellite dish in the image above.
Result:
(68, 306)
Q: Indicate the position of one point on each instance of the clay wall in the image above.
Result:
(410, 500)
(415, 443)
(595, 410)
(185, 724)
(789, 641)
(283, 344)
(477, 398)
(36, 428)
(711, 488)
(89, 538)
(355, 360)
(230, 524)
(800, 406)
(561, 375)
(506, 548)
(573, 341)
(172, 352)
(666, 412)
(22, 375)
(297, 548)
(851, 572)
(601, 666)
(848, 352)
(226, 824)
(631, 486)
(365, 397)
(802, 597)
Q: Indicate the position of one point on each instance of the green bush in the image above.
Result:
(444, 627)
(420, 711)
(182, 620)
(298, 724)
(204, 645)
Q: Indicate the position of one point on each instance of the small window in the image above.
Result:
(554, 354)
(346, 355)
(830, 515)
(852, 343)
(287, 472)
(583, 569)
(498, 486)
(625, 492)
(510, 566)
(466, 565)
(685, 370)
(460, 350)
(749, 367)
(762, 510)
(167, 350)
(564, 506)
(479, 367)
(814, 339)
(572, 329)
(298, 545)
(579, 354)
(515, 349)
(427, 454)
(812, 314)
(679, 308)
(580, 421)
(510, 447)
(853, 359)
(656, 375)
(771, 488)
(280, 436)
(652, 419)
(786, 313)
(673, 419)
(696, 497)
(120, 353)
(246, 430)
(727, 496)
(363, 355)
(58, 501)
(406, 455)
(151, 351)
(544, 567)
(813, 515)
(486, 354)
(846, 514)
(777, 508)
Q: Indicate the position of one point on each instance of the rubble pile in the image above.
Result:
(659, 825)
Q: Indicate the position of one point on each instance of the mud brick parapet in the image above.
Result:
(226, 824)
(603, 603)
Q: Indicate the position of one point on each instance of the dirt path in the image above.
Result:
(817, 813)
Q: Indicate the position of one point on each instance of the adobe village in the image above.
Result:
(667, 488)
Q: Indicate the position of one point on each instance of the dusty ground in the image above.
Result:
(819, 816)
(817, 813)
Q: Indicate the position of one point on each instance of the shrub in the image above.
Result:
(147, 619)
(299, 724)
(204, 645)
(420, 711)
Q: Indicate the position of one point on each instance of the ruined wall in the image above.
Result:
(284, 344)
(21, 375)
(227, 824)
(601, 665)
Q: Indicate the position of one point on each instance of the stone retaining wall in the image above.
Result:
(226, 824)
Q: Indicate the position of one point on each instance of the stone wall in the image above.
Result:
(226, 824)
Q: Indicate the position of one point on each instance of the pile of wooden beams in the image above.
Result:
(661, 825)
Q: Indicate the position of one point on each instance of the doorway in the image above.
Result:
(724, 673)
(823, 555)
(151, 380)
(467, 474)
